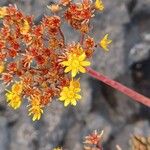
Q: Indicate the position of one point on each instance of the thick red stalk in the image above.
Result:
(116, 85)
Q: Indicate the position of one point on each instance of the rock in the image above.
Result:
(2, 98)
(22, 133)
(142, 5)
(75, 136)
(3, 134)
(54, 125)
(123, 137)
(112, 63)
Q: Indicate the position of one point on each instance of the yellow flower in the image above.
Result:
(36, 108)
(75, 84)
(13, 99)
(99, 5)
(77, 49)
(36, 111)
(70, 94)
(2, 67)
(58, 148)
(76, 63)
(105, 42)
(3, 12)
(24, 29)
(54, 8)
(17, 88)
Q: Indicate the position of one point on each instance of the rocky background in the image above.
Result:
(102, 108)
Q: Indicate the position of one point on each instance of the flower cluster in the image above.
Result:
(35, 107)
(70, 94)
(35, 60)
(75, 61)
(93, 141)
(14, 96)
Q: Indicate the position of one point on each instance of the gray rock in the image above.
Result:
(123, 138)
(22, 133)
(3, 134)
(111, 21)
(53, 126)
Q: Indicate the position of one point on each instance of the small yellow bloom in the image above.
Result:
(70, 94)
(105, 42)
(17, 88)
(99, 5)
(36, 108)
(77, 49)
(2, 67)
(13, 99)
(24, 29)
(36, 111)
(75, 84)
(58, 148)
(54, 8)
(3, 12)
(76, 63)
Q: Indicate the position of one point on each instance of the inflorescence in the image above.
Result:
(36, 63)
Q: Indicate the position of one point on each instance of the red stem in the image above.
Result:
(99, 146)
(62, 35)
(82, 39)
(116, 85)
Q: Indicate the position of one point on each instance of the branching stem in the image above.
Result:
(62, 35)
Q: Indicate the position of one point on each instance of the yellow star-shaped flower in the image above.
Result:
(76, 63)
(36, 111)
(3, 12)
(24, 29)
(54, 8)
(36, 108)
(13, 99)
(58, 148)
(99, 5)
(104, 43)
(70, 94)
(1, 67)
(17, 88)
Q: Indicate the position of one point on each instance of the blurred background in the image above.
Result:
(102, 108)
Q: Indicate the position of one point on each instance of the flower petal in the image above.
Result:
(81, 69)
(77, 90)
(67, 69)
(85, 63)
(109, 41)
(74, 72)
(39, 116)
(106, 37)
(67, 102)
(65, 63)
(78, 96)
(62, 98)
(82, 57)
(73, 102)
(34, 117)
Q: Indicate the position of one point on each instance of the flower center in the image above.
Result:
(70, 94)
(75, 63)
